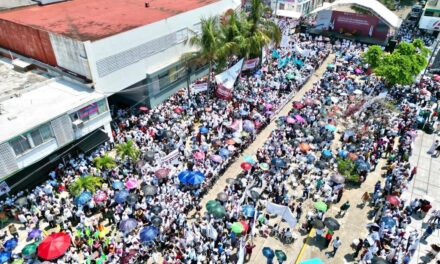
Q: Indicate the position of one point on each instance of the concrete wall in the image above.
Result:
(37, 153)
(70, 54)
(93, 124)
(122, 60)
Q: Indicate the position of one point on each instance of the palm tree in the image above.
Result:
(86, 183)
(128, 150)
(105, 161)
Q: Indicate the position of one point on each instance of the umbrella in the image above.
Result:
(195, 178)
(337, 178)
(156, 221)
(290, 120)
(212, 204)
(327, 153)
(264, 166)
(100, 196)
(249, 159)
(222, 197)
(22, 201)
(290, 76)
(318, 224)
(149, 190)
(300, 119)
(237, 228)
(34, 233)
(83, 198)
(224, 152)
(218, 212)
(281, 256)
(132, 198)
(54, 246)
(248, 126)
(131, 183)
(178, 110)
(149, 233)
(246, 166)
(378, 260)
(330, 127)
(321, 206)
(352, 156)
(363, 166)
(331, 223)
(245, 225)
(18, 261)
(118, 185)
(394, 200)
(162, 173)
(5, 256)
(248, 210)
(243, 112)
(304, 147)
(312, 261)
(10, 244)
(143, 108)
(183, 176)
(298, 105)
(343, 153)
(156, 209)
(199, 155)
(268, 106)
(217, 158)
(279, 163)
(268, 253)
(357, 91)
(254, 195)
(230, 141)
(204, 130)
(128, 225)
(121, 196)
(436, 77)
(330, 65)
(388, 222)
(29, 249)
(320, 164)
(149, 155)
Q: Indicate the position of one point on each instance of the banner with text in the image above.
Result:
(200, 87)
(172, 158)
(250, 64)
(225, 81)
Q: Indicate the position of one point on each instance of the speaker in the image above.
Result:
(391, 45)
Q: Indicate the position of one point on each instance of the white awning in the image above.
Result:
(373, 6)
(288, 13)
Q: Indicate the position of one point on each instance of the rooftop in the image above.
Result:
(6, 4)
(42, 104)
(92, 20)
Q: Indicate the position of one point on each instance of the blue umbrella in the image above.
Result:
(248, 158)
(312, 261)
(195, 178)
(279, 163)
(5, 256)
(183, 176)
(121, 196)
(243, 112)
(327, 153)
(310, 158)
(83, 198)
(389, 222)
(34, 233)
(268, 253)
(128, 225)
(203, 130)
(10, 244)
(248, 126)
(118, 185)
(224, 152)
(343, 153)
(148, 233)
(363, 166)
(330, 127)
(248, 210)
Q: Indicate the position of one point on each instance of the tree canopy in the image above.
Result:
(401, 66)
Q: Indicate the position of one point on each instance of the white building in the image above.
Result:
(430, 19)
(294, 8)
(114, 45)
(42, 119)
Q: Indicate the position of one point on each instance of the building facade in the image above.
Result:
(295, 8)
(430, 19)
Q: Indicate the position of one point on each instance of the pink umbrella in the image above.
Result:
(100, 196)
(131, 183)
(199, 155)
(268, 106)
(162, 173)
(436, 77)
(216, 158)
(257, 123)
(290, 120)
(309, 101)
(234, 125)
(264, 69)
(358, 71)
(424, 91)
(298, 105)
(300, 119)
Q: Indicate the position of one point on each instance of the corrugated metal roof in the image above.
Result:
(96, 19)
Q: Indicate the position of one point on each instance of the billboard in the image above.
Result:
(429, 23)
(358, 24)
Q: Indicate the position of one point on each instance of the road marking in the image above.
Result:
(298, 258)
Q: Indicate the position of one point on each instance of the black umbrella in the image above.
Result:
(156, 209)
(254, 195)
(132, 198)
(169, 134)
(320, 164)
(149, 190)
(378, 260)
(331, 223)
(149, 155)
(318, 224)
(156, 221)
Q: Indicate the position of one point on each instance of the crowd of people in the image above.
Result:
(142, 211)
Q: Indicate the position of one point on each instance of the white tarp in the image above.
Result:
(228, 77)
(282, 211)
(288, 13)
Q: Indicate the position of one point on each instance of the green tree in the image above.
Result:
(128, 150)
(105, 161)
(347, 168)
(86, 183)
(373, 56)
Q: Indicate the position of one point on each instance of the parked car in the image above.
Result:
(416, 11)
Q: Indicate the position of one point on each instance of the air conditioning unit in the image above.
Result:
(77, 124)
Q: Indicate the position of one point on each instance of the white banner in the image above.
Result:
(429, 23)
(4, 188)
(200, 87)
(172, 158)
(228, 77)
(250, 64)
(282, 211)
(285, 41)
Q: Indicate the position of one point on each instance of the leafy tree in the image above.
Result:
(128, 150)
(105, 161)
(373, 56)
(347, 168)
(86, 183)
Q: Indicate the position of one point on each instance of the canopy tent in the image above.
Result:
(288, 13)
(377, 8)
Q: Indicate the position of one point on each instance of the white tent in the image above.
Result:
(373, 6)
(288, 13)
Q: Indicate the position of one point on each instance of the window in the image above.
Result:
(20, 145)
(102, 106)
(429, 13)
(41, 135)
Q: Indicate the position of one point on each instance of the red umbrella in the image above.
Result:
(394, 200)
(178, 110)
(54, 246)
(245, 225)
(143, 108)
(246, 166)
(199, 155)
(352, 156)
(230, 142)
(298, 105)
(162, 173)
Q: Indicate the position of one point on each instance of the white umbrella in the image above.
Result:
(357, 91)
